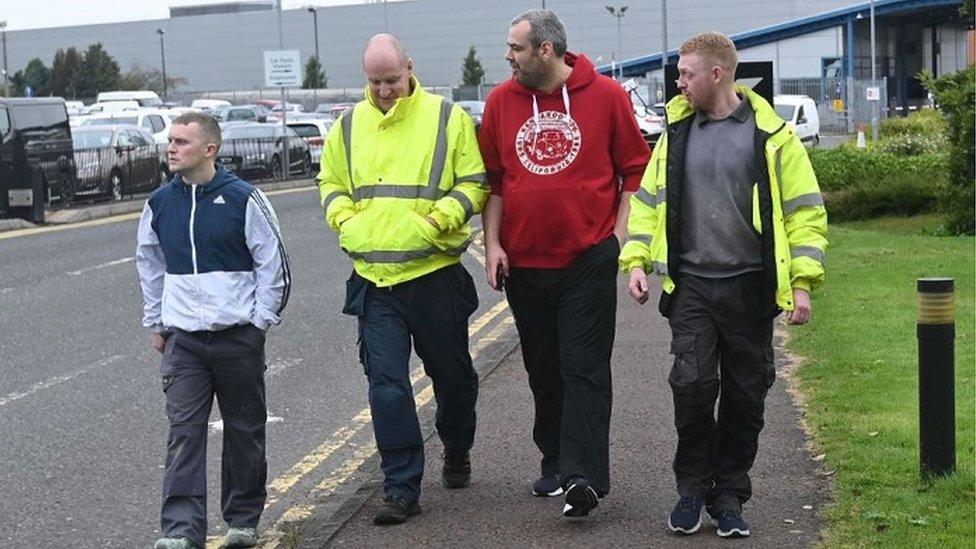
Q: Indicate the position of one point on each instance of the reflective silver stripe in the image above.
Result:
(811, 199)
(347, 141)
(779, 167)
(643, 238)
(327, 201)
(808, 251)
(464, 201)
(384, 191)
(651, 200)
(432, 191)
(479, 178)
(660, 268)
(405, 256)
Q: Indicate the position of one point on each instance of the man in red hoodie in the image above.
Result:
(563, 155)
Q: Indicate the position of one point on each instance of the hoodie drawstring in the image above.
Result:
(535, 109)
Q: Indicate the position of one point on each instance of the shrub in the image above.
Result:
(926, 122)
(848, 167)
(900, 195)
(956, 95)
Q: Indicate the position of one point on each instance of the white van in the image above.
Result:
(155, 122)
(208, 105)
(144, 98)
(801, 112)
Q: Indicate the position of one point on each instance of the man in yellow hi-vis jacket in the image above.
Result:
(729, 213)
(401, 176)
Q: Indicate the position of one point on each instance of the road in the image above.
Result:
(81, 408)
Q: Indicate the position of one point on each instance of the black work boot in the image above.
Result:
(395, 511)
(457, 470)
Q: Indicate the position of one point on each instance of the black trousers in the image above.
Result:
(433, 312)
(722, 333)
(196, 366)
(566, 319)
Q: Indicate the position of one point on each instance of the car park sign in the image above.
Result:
(282, 69)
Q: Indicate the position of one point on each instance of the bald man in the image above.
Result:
(401, 176)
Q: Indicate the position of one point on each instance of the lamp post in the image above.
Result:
(664, 49)
(874, 82)
(162, 55)
(315, 22)
(6, 80)
(619, 14)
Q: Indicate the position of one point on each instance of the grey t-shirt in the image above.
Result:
(717, 238)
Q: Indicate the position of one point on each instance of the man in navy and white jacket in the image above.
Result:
(214, 277)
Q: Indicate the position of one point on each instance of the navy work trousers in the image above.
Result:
(195, 367)
(433, 311)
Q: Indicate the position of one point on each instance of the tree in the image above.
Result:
(17, 84)
(137, 78)
(38, 77)
(99, 72)
(314, 75)
(471, 71)
(65, 70)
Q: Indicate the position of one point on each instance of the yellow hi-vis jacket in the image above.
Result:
(383, 175)
(787, 208)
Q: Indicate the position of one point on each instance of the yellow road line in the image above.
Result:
(274, 535)
(109, 220)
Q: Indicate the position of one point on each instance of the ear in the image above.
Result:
(545, 50)
(718, 73)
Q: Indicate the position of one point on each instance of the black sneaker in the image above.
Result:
(457, 470)
(548, 486)
(395, 511)
(581, 498)
(685, 518)
(730, 523)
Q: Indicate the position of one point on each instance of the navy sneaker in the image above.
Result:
(685, 518)
(548, 486)
(457, 470)
(730, 524)
(581, 498)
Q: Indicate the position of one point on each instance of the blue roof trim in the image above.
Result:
(790, 29)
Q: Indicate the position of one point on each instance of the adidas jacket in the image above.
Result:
(211, 257)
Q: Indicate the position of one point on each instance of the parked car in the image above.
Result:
(238, 113)
(255, 149)
(340, 108)
(289, 109)
(142, 97)
(207, 105)
(116, 160)
(156, 122)
(313, 130)
(650, 120)
(475, 109)
(35, 141)
(801, 112)
(113, 106)
(75, 108)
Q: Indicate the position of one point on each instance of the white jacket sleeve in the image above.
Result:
(152, 270)
(271, 271)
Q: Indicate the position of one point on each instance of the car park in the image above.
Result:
(156, 122)
(313, 131)
(475, 109)
(116, 160)
(35, 153)
(800, 111)
(256, 149)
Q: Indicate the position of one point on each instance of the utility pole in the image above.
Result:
(664, 50)
(162, 54)
(619, 14)
(285, 161)
(874, 81)
(315, 22)
(6, 76)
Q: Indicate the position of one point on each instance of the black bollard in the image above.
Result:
(936, 376)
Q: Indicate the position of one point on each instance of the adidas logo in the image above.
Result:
(219, 199)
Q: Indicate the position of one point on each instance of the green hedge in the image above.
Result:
(902, 195)
(926, 122)
(847, 167)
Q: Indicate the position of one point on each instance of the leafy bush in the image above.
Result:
(913, 144)
(956, 96)
(847, 166)
(900, 195)
(926, 122)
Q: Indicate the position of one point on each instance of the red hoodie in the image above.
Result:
(559, 176)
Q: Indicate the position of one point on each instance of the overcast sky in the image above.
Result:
(62, 13)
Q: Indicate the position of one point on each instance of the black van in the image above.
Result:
(36, 156)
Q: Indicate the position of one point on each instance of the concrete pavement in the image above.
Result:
(498, 510)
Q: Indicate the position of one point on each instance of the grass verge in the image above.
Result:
(861, 387)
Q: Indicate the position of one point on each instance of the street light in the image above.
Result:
(619, 14)
(162, 55)
(6, 81)
(315, 21)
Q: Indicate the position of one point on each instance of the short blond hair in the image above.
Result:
(716, 47)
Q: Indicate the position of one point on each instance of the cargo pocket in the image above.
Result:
(684, 371)
(355, 295)
(166, 367)
(769, 362)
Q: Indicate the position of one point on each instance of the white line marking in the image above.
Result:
(57, 380)
(218, 426)
(102, 266)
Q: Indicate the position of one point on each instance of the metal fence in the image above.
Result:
(841, 103)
